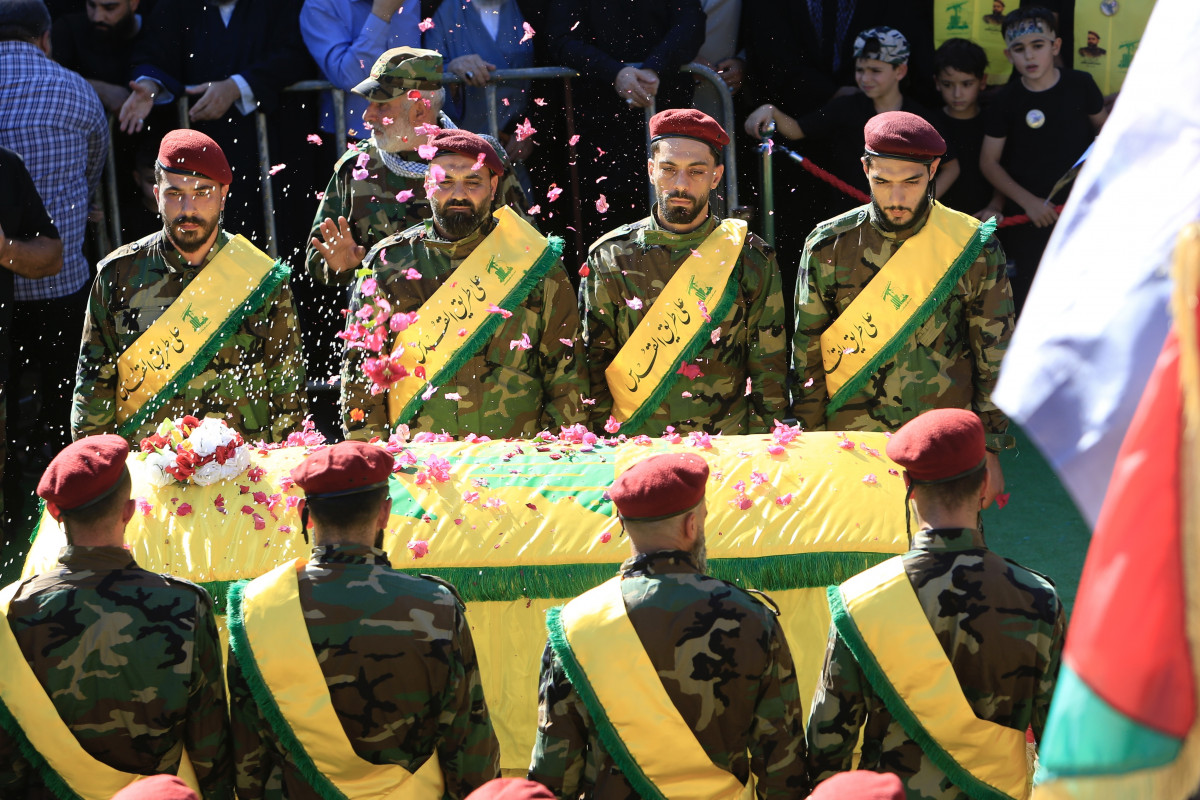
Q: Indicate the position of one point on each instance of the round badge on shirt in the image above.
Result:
(1109, 7)
(1035, 118)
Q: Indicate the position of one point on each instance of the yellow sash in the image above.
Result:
(181, 343)
(674, 328)
(901, 296)
(501, 271)
(273, 624)
(27, 703)
(652, 742)
(881, 620)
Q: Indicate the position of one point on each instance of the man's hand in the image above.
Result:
(472, 69)
(386, 9)
(637, 86)
(339, 249)
(112, 97)
(995, 479)
(733, 72)
(137, 106)
(760, 120)
(1041, 213)
(984, 214)
(215, 99)
(518, 149)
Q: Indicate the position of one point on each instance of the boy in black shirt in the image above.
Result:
(960, 75)
(1036, 129)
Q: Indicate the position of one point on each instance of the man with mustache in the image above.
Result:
(97, 43)
(902, 305)
(684, 311)
(191, 319)
(494, 348)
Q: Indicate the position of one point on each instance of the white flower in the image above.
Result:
(157, 462)
(210, 473)
(211, 433)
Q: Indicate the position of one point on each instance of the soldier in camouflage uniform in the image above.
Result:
(742, 385)
(1000, 625)
(377, 186)
(719, 652)
(395, 650)
(952, 360)
(130, 659)
(256, 380)
(503, 390)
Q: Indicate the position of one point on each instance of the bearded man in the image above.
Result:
(191, 319)
(467, 322)
(678, 283)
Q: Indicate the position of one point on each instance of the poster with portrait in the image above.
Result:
(978, 21)
(1107, 33)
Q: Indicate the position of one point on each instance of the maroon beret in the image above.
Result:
(899, 134)
(688, 123)
(190, 152)
(660, 487)
(156, 787)
(940, 445)
(470, 145)
(85, 472)
(860, 785)
(343, 468)
(511, 789)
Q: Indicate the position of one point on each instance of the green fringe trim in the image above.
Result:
(240, 646)
(553, 251)
(270, 282)
(607, 734)
(37, 526)
(938, 296)
(702, 338)
(564, 581)
(53, 781)
(958, 775)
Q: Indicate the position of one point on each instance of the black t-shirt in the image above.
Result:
(23, 217)
(839, 124)
(79, 47)
(971, 191)
(1036, 157)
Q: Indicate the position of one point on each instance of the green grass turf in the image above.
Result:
(1040, 527)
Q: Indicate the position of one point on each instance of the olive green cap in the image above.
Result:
(400, 70)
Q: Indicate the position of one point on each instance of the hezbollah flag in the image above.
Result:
(1124, 723)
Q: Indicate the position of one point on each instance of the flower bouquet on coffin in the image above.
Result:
(191, 450)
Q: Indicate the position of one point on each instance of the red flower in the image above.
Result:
(152, 443)
(185, 465)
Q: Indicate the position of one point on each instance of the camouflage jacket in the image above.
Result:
(637, 261)
(724, 661)
(132, 662)
(1000, 625)
(371, 206)
(255, 382)
(398, 657)
(504, 391)
(951, 361)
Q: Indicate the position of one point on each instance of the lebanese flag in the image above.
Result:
(1123, 722)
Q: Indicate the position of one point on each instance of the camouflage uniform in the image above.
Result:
(132, 663)
(505, 391)
(256, 381)
(951, 361)
(397, 655)
(637, 261)
(724, 661)
(1000, 625)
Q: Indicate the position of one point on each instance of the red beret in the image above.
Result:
(156, 787)
(860, 785)
(344, 468)
(470, 145)
(688, 123)
(660, 487)
(511, 789)
(939, 445)
(190, 152)
(899, 134)
(85, 472)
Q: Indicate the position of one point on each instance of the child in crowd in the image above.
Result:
(960, 74)
(1035, 130)
(880, 63)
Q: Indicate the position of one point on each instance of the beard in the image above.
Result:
(680, 215)
(895, 227)
(191, 241)
(397, 137)
(699, 554)
(115, 34)
(457, 219)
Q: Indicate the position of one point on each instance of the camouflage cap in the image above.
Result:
(882, 44)
(399, 70)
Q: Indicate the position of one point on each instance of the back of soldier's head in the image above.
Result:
(99, 521)
(349, 519)
(23, 20)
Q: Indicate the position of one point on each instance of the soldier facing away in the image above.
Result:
(346, 677)
(111, 672)
(704, 660)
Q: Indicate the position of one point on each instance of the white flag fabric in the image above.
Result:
(1096, 317)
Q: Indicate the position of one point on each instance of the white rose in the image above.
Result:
(207, 437)
(210, 473)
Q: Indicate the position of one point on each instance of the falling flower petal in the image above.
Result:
(412, 275)
(404, 196)
(1002, 499)
(419, 548)
(612, 425)
(541, 101)
(276, 169)
(183, 510)
(428, 393)
(495, 309)
(602, 204)
(359, 174)
(870, 479)
(748, 387)
(553, 193)
(775, 449)
(528, 33)
(452, 396)
(574, 140)
(427, 151)
(634, 302)
(313, 138)
(520, 344)
(704, 311)
(715, 335)
(422, 26)
(744, 502)
(690, 371)
(144, 506)
(584, 271)
(758, 478)
(784, 499)
(808, 383)
(524, 130)
(534, 210)
(700, 439)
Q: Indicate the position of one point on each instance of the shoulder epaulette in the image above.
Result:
(832, 228)
(175, 580)
(125, 251)
(1046, 578)
(447, 584)
(615, 233)
(760, 597)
